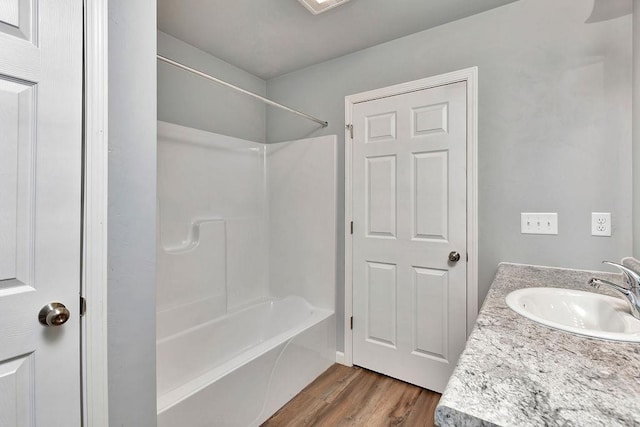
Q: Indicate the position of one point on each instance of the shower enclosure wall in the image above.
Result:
(246, 274)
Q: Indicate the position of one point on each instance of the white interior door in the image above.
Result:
(409, 213)
(40, 210)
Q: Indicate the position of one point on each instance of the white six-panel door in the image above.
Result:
(409, 212)
(40, 211)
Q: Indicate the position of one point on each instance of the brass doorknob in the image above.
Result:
(53, 314)
(454, 256)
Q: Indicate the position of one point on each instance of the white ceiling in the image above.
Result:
(272, 37)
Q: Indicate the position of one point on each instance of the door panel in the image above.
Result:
(430, 119)
(381, 196)
(409, 211)
(381, 289)
(16, 387)
(430, 196)
(431, 324)
(381, 127)
(17, 18)
(14, 171)
(40, 210)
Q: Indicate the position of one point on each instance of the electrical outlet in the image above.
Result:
(538, 223)
(600, 223)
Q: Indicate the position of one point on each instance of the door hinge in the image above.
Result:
(350, 128)
(351, 323)
(467, 256)
(351, 227)
(83, 306)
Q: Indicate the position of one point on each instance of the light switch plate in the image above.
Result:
(601, 224)
(538, 223)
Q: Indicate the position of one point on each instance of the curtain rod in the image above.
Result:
(239, 89)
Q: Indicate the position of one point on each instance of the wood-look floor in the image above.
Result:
(344, 396)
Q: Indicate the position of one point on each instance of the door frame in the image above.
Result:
(94, 344)
(470, 76)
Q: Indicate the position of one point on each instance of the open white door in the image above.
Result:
(40, 210)
(409, 195)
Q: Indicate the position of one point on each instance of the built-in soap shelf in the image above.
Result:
(192, 278)
(193, 237)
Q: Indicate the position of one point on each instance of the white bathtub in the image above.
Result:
(239, 369)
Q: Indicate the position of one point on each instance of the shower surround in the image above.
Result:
(246, 274)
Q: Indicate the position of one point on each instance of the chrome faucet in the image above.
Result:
(631, 292)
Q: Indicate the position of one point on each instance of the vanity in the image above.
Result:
(517, 372)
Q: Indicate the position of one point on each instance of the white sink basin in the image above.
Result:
(579, 312)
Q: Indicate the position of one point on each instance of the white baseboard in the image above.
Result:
(341, 359)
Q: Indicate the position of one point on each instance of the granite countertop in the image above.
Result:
(516, 372)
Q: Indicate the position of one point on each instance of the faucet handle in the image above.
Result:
(632, 277)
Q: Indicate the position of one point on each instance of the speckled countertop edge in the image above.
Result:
(515, 372)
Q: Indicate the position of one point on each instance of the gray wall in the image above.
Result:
(554, 122)
(189, 100)
(132, 213)
(636, 129)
